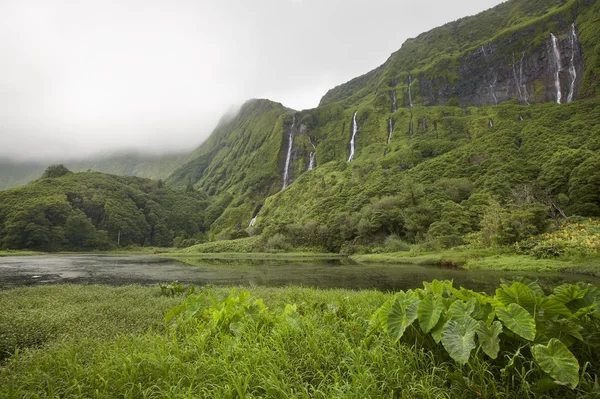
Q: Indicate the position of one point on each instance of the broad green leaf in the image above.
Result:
(460, 310)
(488, 338)
(436, 332)
(380, 317)
(564, 330)
(550, 307)
(517, 320)
(402, 315)
(429, 311)
(558, 361)
(458, 338)
(437, 287)
(569, 292)
(517, 293)
(534, 285)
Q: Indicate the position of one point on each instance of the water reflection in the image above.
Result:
(312, 272)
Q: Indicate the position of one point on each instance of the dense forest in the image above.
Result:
(91, 210)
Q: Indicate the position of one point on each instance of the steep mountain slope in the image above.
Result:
(242, 162)
(471, 111)
(15, 173)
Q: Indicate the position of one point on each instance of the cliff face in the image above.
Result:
(494, 73)
(506, 53)
(427, 100)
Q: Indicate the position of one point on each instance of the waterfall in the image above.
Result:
(493, 90)
(311, 156)
(556, 51)
(409, 93)
(252, 222)
(394, 101)
(311, 162)
(289, 154)
(354, 130)
(390, 129)
(572, 68)
(491, 123)
(526, 95)
(520, 118)
(517, 80)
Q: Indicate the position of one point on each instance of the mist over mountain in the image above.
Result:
(79, 79)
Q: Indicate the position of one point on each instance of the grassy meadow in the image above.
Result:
(69, 341)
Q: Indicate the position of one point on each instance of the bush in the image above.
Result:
(393, 243)
(277, 243)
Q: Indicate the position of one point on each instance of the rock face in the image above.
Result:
(522, 50)
(491, 75)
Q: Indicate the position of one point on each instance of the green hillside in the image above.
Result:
(93, 210)
(15, 173)
(461, 122)
(484, 131)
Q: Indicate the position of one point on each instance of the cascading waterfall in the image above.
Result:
(572, 68)
(390, 129)
(525, 94)
(409, 92)
(518, 81)
(493, 90)
(556, 52)
(394, 101)
(354, 130)
(252, 222)
(491, 123)
(311, 161)
(289, 154)
(311, 156)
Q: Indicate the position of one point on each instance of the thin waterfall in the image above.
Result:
(289, 154)
(354, 130)
(526, 95)
(572, 68)
(390, 129)
(556, 52)
(311, 161)
(409, 92)
(394, 101)
(252, 222)
(493, 90)
(491, 123)
(517, 81)
(311, 156)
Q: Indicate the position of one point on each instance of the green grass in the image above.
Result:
(103, 342)
(489, 259)
(10, 252)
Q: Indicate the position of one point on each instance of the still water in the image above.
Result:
(19, 271)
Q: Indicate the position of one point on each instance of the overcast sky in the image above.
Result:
(79, 76)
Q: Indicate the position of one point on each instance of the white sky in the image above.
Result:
(79, 76)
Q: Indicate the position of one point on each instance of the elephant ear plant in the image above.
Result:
(560, 330)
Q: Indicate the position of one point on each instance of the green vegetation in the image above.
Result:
(15, 173)
(86, 211)
(90, 341)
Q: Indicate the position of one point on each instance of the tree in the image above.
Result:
(55, 171)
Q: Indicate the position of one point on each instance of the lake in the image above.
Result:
(19, 271)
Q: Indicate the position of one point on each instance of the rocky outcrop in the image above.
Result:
(490, 74)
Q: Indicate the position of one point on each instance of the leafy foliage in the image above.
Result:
(83, 211)
(560, 329)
